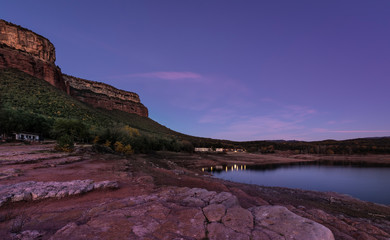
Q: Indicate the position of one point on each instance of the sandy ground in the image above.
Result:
(346, 217)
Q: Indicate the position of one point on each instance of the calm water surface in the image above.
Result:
(368, 183)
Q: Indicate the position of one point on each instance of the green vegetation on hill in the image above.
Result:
(33, 105)
(25, 93)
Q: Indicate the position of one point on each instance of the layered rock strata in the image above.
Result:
(104, 96)
(30, 191)
(27, 41)
(31, 53)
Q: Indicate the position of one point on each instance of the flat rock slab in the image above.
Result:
(30, 190)
(190, 213)
(29, 158)
(279, 221)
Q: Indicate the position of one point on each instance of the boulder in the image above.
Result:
(280, 220)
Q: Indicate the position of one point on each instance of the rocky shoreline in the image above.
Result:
(85, 195)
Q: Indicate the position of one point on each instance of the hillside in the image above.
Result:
(25, 93)
(28, 95)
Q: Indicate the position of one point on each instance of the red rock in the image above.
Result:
(214, 212)
(10, 58)
(183, 222)
(280, 220)
(217, 231)
(25, 40)
(102, 95)
(238, 219)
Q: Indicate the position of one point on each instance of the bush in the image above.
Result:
(74, 128)
(65, 143)
(120, 148)
(102, 148)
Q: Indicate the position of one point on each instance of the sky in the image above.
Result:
(238, 70)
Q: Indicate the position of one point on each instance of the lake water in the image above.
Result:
(365, 183)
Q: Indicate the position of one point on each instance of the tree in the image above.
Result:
(74, 128)
(65, 143)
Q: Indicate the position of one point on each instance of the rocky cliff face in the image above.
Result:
(104, 96)
(29, 52)
(25, 50)
(27, 41)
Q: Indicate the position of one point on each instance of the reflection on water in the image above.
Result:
(219, 168)
(366, 183)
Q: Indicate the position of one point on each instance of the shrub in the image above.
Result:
(120, 148)
(65, 143)
(74, 128)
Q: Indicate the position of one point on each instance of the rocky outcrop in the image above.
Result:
(279, 220)
(10, 58)
(27, 41)
(30, 191)
(190, 213)
(102, 95)
(27, 235)
(31, 53)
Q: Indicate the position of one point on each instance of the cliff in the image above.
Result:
(27, 41)
(31, 53)
(104, 96)
(25, 50)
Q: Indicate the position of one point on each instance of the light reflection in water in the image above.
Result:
(234, 167)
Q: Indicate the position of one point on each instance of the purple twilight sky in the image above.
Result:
(238, 70)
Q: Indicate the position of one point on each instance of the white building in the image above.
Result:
(203, 149)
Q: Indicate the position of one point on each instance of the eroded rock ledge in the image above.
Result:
(27, 41)
(185, 213)
(30, 191)
(104, 96)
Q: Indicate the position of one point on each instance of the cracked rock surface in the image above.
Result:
(190, 213)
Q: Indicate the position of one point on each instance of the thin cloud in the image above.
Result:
(168, 75)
